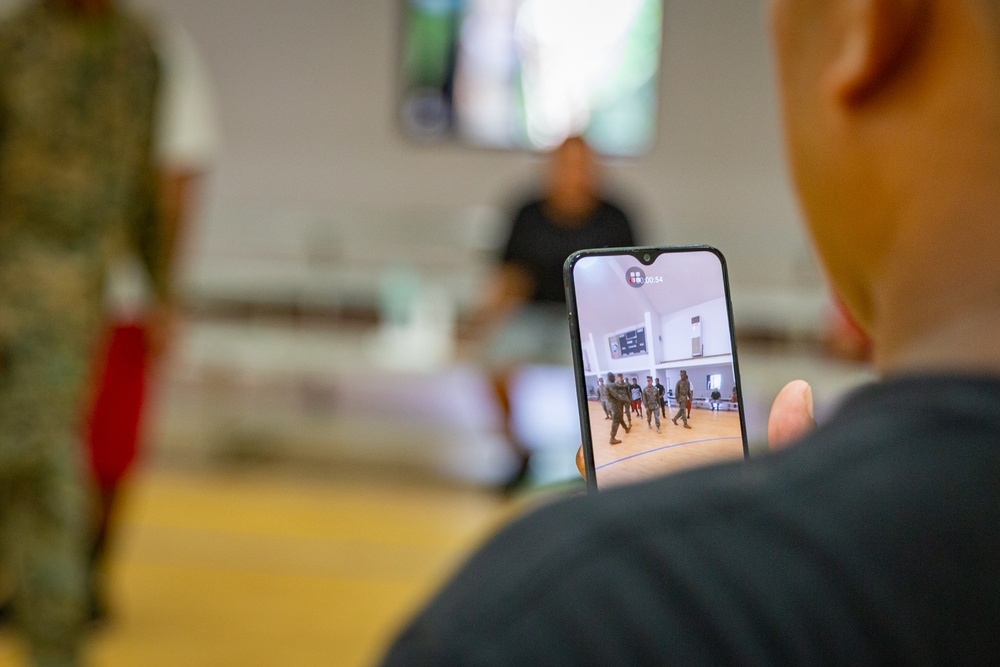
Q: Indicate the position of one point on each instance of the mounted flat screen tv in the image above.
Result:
(528, 73)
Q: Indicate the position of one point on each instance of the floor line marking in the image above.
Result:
(660, 449)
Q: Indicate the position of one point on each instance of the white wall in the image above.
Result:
(676, 331)
(307, 100)
(698, 377)
(669, 339)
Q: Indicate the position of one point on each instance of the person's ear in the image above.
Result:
(878, 37)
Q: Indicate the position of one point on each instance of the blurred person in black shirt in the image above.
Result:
(525, 305)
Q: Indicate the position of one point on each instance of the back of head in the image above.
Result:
(892, 117)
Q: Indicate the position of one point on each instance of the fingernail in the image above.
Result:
(807, 396)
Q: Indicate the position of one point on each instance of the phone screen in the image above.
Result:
(659, 322)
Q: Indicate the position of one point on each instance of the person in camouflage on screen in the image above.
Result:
(683, 394)
(626, 411)
(78, 85)
(602, 396)
(651, 401)
(618, 398)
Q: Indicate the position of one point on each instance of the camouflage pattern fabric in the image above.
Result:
(650, 397)
(77, 95)
(682, 391)
(618, 398)
(651, 401)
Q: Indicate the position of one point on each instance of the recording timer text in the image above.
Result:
(636, 277)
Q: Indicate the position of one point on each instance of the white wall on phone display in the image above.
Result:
(678, 286)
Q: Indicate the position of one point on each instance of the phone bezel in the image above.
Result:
(579, 374)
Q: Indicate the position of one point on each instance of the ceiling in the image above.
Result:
(608, 303)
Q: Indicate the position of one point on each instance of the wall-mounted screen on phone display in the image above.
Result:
(660, 390)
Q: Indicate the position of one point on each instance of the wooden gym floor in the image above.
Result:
(273, 568)
(643, 453)
(274, 565)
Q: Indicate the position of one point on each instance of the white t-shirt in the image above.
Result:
(187, 132)
(187, 139)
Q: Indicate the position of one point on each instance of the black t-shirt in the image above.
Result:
(873, 541)
(541, 246)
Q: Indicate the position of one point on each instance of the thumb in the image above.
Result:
(791, 415)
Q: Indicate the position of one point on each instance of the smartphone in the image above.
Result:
(659, 319)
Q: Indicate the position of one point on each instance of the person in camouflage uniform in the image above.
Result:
(602, 396)
(651, 401)
(683, 394)
(618, 398)
(626, 412)
(78, 85)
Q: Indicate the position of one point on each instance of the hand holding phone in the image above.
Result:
(652, 336)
